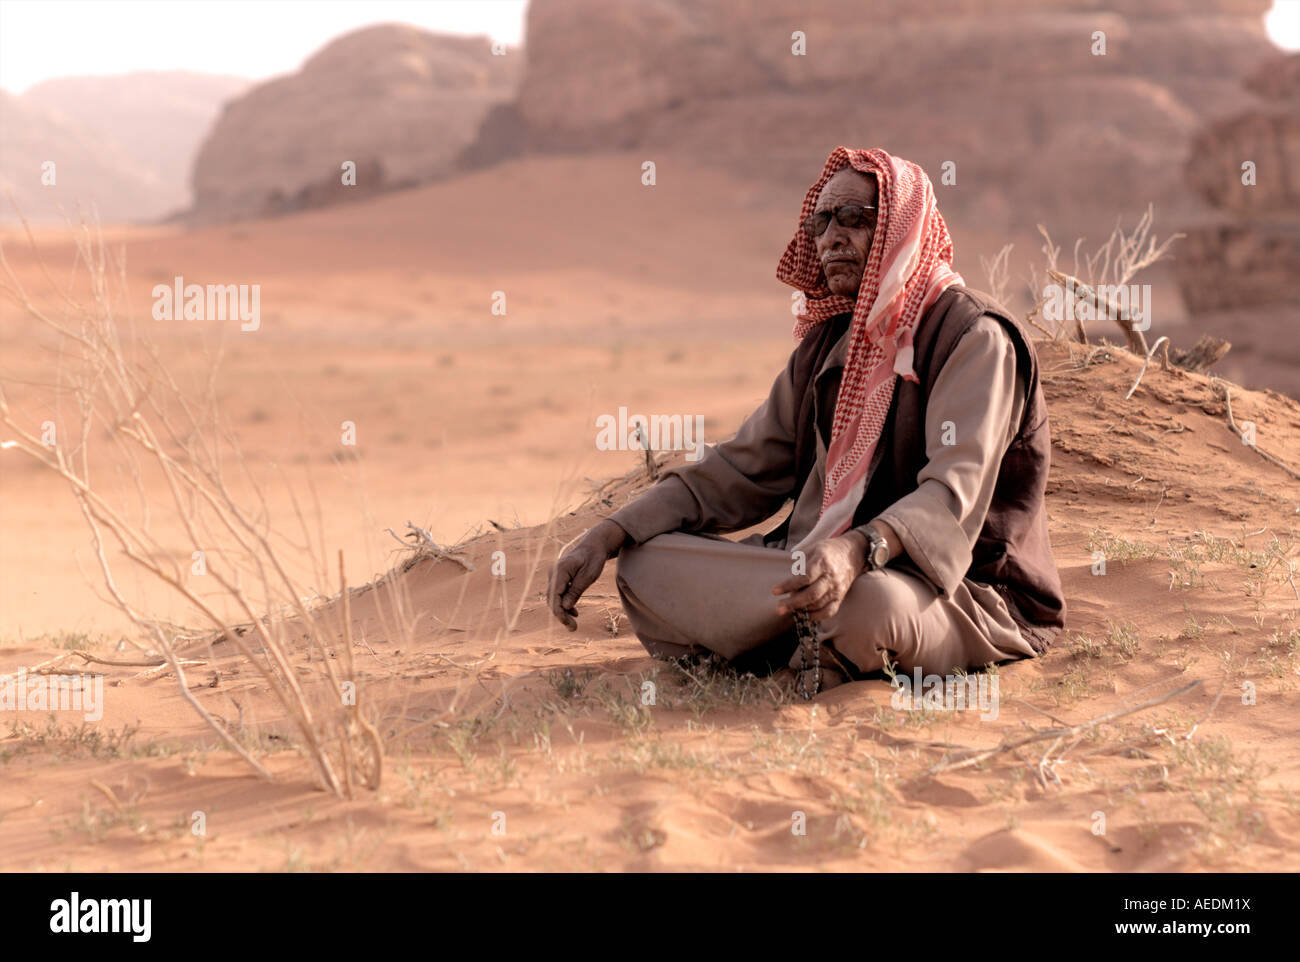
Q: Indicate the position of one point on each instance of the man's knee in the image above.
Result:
(879, 614)
(635, 568)
(700, 592)
(651, 558)
(629, 570)
(628, 561)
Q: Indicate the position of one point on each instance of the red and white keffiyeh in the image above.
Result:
(908, 267)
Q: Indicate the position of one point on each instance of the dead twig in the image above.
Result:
(92, 659)
(1147, 360)
(1232, 423)
(967, 759)
(108, 793)
(1204, 354)
(1290, 571)
(423, 543)
(998, 272)
(1132, 336)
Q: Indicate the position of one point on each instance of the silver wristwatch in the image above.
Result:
(877, 549)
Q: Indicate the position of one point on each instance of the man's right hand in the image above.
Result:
(577, 570)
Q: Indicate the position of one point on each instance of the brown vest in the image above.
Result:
(1012, 553)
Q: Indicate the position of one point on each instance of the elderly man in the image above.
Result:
(910, 431)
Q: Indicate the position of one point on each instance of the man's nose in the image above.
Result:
(835, 235)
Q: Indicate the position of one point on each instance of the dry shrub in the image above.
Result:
(144, 426)
(1114, 263)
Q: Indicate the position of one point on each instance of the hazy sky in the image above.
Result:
(40, 39)
(1283, 24)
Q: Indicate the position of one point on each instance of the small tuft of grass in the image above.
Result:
(96, 823)
(1192, 629)
(1287, 644)
(1083, 648)
(1122, 640)
(83, 741)
(569, 684)
(711, 685)
(639, 836)
(1118, 549)
(68, 640)
(1072, 686)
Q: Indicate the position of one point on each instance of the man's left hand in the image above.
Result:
(831, 568)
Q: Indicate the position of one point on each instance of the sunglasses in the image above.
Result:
(850, 216)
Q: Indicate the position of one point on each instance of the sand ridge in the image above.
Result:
(481, 429)
(555, 744)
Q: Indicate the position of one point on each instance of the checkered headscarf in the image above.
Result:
(908, 267)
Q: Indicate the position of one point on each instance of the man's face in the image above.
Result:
(843, 250)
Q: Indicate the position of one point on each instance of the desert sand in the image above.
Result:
(480, 428)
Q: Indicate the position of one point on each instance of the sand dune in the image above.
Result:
(381, 313)
(554, 740)
(661, 299)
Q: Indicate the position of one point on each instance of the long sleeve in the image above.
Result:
(972, 416)
(736, 483)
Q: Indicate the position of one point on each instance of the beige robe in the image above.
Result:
(685, 591)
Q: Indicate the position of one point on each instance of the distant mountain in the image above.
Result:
(1046, 109)
(1238, 265)
(397, 101)
(125, 144)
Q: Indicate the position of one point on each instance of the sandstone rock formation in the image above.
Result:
(121, 145)
(1039, 127)
(1238, 265)
(1268, 137)
(397, 101)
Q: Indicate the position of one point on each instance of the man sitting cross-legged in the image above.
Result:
(910, 431)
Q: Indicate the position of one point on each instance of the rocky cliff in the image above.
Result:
(397, 101)
(123, 145)
(1238, 265)
(1016, 93)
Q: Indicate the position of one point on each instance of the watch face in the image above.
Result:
(879, 554)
